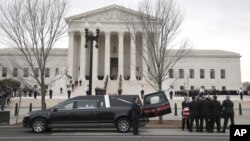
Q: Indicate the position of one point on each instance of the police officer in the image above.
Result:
(215, 109)
(227, 107)
(135, 114)
(194, 114)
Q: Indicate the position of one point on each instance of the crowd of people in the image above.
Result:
(207, 110)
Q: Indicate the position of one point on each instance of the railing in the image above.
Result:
(106, 82)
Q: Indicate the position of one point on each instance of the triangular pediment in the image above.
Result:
(112, 13)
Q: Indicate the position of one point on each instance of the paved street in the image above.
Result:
(20, 134)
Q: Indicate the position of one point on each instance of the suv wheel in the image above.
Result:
(123, 125)
(39, 125)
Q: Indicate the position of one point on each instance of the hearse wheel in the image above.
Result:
(123, 125)
(39, 125)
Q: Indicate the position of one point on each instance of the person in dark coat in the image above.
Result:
(194, 114)
(171, 94)
(215, 109)
(80, 82)
(241, 94)
(227, 107)
(35, 93)
(204, 113)
(61, 90)
(135, 115)
(185, 119)
(119, 91)
(50, 92)
(69, 92)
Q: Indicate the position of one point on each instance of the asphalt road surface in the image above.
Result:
(20, 134)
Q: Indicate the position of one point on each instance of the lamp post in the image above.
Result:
(90, 38)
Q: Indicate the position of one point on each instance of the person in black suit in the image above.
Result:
(135, 115)
(215, 109)
(204, 113)
(227, 107)
(194, 114)
(241, 94)
(185, 119)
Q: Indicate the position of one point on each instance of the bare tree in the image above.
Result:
(33, 27)
(160, 22)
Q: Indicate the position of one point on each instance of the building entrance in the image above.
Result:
(113, 68)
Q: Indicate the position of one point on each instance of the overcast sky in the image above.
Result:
(209, 24)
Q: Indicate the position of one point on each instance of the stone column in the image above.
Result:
(120, 55)
(144, 57)
(107, 54)
(132, 56)
(83, 57)
(71, 53)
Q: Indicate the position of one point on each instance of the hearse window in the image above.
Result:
(155, 99)
(66, 106)
(86, 104)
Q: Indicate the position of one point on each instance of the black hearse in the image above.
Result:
(96, 111)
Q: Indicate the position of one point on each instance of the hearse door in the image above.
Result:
(62, 114)
(85, 111)
(155, 104)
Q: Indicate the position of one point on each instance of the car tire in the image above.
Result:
(39, 125)
(123, 125)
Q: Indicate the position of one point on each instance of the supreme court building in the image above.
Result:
(116, 56)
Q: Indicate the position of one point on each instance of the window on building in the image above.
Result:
(47, 72)
(202, 73)
(36, 72)
(25, 72)
(192, 87)
(15, 72)
(171, 73)
(181, 73)
(212, 73)
(223, 88)
(4, 72)
(203, 87)
(222, 74)
(181, 87)
(213, 87)
(57, 71)
(191, 73)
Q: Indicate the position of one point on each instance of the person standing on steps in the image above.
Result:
(135, 115)
(142, 92)
(80, 81)
(50, 92)
(69, 92)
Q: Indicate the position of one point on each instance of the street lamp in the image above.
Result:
(90, 38)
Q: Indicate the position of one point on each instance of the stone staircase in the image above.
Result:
(112, 87)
